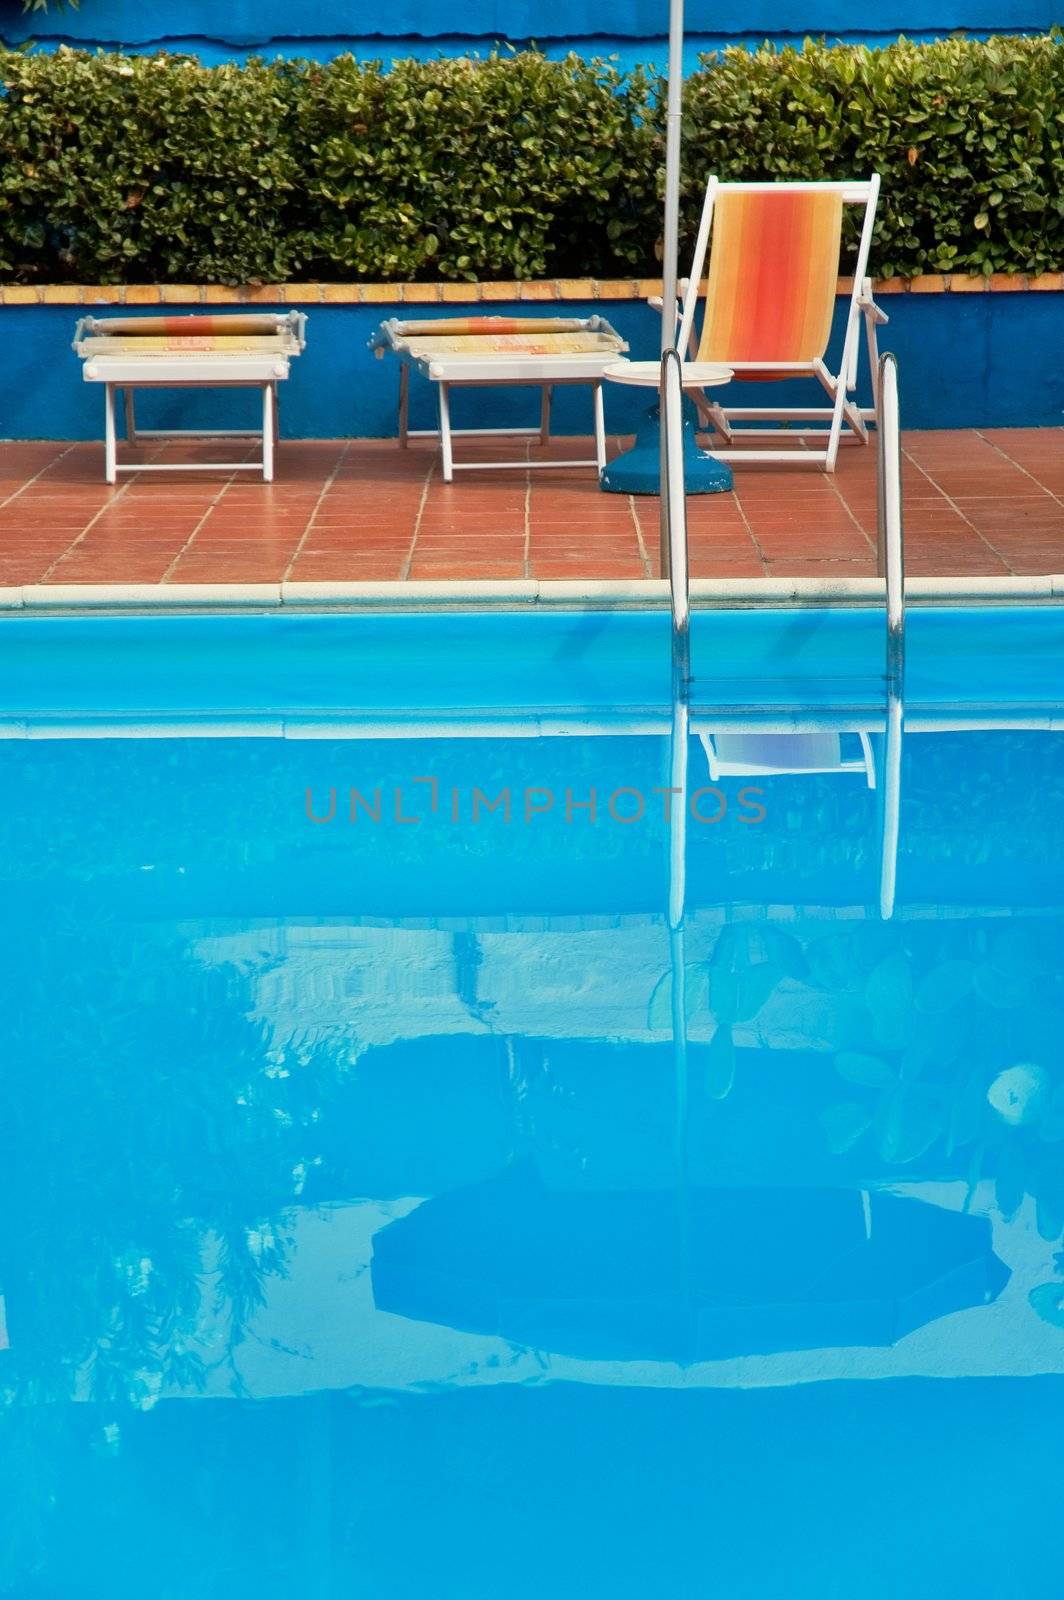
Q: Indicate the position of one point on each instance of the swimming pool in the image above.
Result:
(441, 1160)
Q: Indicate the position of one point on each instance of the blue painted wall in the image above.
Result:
(631, 29)
(258, 22)
(976, 360)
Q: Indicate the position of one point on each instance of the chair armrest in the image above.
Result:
(867, 303)
(656, 301)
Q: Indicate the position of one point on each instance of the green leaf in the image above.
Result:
(844, 1124)
(1010, 1178)
(945, 986)
(908, 1122)
(1048, 1301)
(872, 1071)
(696, 982)
(719, 1065)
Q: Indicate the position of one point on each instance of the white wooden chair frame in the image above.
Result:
(843, 411)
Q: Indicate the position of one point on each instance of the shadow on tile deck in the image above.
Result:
(977, 504)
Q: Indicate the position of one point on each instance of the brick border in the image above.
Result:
(536, 291)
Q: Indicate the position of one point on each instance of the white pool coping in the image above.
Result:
(652, 593)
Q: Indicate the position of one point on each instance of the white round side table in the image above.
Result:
(647, 374)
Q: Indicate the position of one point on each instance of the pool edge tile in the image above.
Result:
(405, 592)
(162, 596)
(487, 593)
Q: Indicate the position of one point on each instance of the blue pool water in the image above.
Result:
(416, 1182)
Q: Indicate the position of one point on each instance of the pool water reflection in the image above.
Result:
(561, 1207)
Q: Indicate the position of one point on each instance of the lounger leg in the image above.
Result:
(404, 405)
(110, 451)
(267, 433)
(131, 418)
(547, 394)
(600, 429)
(446, 449)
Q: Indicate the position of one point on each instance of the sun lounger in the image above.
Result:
(226, 352)
(471, 352)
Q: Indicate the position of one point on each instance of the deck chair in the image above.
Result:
(764, 755)
(769, 305)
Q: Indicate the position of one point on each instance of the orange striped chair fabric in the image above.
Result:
(773, 272)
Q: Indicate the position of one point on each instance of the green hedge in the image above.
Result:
(116, 168)
(968, 136)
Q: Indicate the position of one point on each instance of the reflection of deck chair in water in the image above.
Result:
(510, 352)
(202, 352)
(770, 298)
(761, 755)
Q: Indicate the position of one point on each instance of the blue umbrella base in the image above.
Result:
(638, 470)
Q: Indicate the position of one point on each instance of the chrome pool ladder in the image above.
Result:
(890, 537)
(890, 529)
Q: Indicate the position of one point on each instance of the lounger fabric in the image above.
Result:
(485, 337)
(175, 336)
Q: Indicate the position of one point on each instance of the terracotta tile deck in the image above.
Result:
(978, 503)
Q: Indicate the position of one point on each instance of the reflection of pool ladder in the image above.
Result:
(891, 568)
(890, 545)
(890, 552)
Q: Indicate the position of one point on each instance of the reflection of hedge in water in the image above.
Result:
(931, 1022)
(146, 1116)
(149, 1128)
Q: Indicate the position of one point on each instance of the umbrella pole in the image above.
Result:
(673, 134)
(638, 470)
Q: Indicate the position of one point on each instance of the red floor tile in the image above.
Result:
(976, 502)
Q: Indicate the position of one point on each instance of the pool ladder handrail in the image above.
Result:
(890, 526)
(890, 532)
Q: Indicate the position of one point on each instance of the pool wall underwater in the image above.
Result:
(278, 668)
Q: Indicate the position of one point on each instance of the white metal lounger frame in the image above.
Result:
(843, 411)
(221, 371)
(546, 375)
